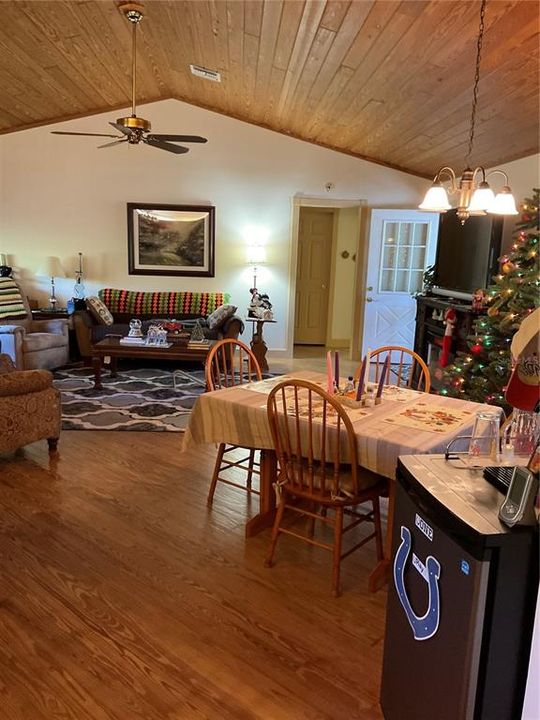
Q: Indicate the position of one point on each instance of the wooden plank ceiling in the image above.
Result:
(385, 80)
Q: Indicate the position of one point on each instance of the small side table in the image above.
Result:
(258, 345)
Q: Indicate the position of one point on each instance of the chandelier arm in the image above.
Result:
(500, 172)
(479, 169)
(476, 81)
(447, 170)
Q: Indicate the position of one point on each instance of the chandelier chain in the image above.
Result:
(476, 81)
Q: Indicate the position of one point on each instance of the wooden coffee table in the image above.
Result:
(112, 348)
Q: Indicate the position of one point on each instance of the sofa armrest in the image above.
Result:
(56, 326)
(12, 329)
(232, 328)
(22, 382)
(83, 323)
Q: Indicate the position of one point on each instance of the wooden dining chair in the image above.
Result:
(318, 464)
(407, 369)
(230, 363)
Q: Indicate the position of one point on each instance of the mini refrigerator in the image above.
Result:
(461, 598)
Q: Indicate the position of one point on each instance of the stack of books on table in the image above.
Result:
(132, 340)
(198, 344)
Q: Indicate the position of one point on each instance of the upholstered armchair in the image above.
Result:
(33, 344)
(29, 407)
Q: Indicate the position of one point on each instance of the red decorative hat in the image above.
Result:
(523, 389)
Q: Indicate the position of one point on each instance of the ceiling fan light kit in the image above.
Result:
(136, 129)
(475, 195)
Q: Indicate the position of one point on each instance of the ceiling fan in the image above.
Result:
(136, 129)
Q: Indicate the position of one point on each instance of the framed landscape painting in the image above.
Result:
(171, 239)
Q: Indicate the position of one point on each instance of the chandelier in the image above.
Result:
(475, 195)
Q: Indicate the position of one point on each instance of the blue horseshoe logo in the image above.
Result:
(424, 626)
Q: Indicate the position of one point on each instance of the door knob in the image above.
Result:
(369, 287)
(323, 287)
(368, 299)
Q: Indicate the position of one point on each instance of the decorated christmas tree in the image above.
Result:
(481, 374)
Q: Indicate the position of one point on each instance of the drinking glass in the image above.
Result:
(484, 444)
(520, 437)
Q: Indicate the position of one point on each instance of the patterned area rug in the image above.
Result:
(137, 399)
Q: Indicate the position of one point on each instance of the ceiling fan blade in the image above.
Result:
(180, 138)
(178, 149)
(125, 130)
(116, 142)
(62, 132)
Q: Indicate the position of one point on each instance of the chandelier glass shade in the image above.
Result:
(475, 195)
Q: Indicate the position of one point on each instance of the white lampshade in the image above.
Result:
(256, 254)
(436, 199)
(482, 199)
(504, 203)
(51, 267)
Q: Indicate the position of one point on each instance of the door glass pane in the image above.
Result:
(390, 233)
(420, 234)
(389, 256)
(403, 257)
(418, 258)
(402, 280)
(387, 281)
(405, 233)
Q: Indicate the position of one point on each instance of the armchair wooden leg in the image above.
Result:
(53, 444)
(338, 536)
(215, 476)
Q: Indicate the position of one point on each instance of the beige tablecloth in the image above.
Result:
(238, 416)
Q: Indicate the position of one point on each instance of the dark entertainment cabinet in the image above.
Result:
(430, 329)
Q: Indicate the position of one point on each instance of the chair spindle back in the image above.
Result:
(407, 369)
(313, 436)
(230, 362)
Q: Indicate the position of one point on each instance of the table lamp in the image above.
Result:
(256, 255)
(52, 268)
(5, 270)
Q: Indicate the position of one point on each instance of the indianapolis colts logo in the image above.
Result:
(424, 626)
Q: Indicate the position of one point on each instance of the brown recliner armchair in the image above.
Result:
(35, 344)
(29, 407)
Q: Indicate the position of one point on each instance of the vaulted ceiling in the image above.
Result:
(381, 79)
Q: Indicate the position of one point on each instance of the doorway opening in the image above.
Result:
(324, 276)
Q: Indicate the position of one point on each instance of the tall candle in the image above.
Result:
(329, 377)
(336, 369)
(384, 372)
(361, 379)
(368, 363)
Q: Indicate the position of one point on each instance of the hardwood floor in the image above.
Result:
(123, 597)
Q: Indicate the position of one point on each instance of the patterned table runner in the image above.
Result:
(424, 416)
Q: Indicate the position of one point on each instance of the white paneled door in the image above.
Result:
(402, 244)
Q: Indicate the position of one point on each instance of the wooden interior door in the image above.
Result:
(315, 235)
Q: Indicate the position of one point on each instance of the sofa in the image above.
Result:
(29, 407)
(125, 305)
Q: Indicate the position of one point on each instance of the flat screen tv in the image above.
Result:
(466, 254)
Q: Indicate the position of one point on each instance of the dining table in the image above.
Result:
(405, 422)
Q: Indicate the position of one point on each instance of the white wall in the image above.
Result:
(59, 195)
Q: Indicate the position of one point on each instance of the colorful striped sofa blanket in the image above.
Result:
(162, 304)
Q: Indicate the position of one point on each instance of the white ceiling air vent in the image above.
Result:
(205, 73)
